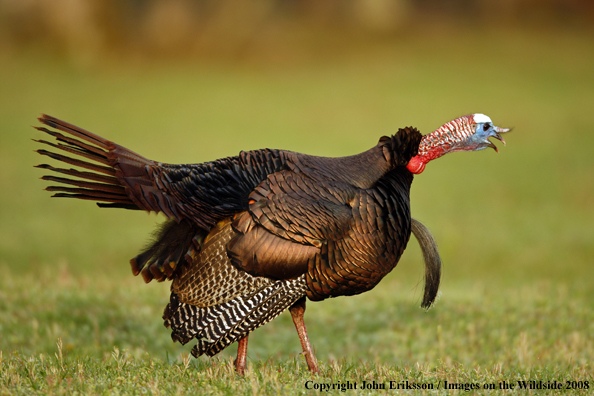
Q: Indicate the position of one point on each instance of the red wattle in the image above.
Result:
(416, 165)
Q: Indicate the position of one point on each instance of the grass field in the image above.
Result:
(515, 230)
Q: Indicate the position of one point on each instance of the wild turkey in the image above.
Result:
(252, 235)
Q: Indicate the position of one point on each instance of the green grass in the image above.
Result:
(515, 229)
(111, 340)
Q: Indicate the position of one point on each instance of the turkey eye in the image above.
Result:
(485, 127)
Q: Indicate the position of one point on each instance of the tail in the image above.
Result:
(203, 193)
(104, 183)
(432, 262)
(119, 178)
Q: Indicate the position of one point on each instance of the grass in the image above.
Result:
(514, 229)
(101, 340)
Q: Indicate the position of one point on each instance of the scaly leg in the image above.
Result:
(297, 311)
(241, 355)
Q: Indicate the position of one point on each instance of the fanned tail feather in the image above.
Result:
(103, 186)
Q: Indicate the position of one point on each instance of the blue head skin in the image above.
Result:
(483, 131)
(466, 133)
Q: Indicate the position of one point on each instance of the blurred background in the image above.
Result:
(267, 30)
(190, 81)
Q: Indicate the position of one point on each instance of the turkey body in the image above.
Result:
(302, 233)
(252, 235)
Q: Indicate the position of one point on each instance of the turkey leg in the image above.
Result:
(297, 311)
(241, 355)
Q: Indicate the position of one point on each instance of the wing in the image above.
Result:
(302, 209)
(345, 238)
(117, 177)
(290, 217)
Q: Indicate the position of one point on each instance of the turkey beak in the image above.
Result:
(498, 131)
(493, 146)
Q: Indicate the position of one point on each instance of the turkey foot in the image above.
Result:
(297, 311)
(240, 361)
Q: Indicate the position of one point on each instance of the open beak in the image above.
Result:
(496, 133)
